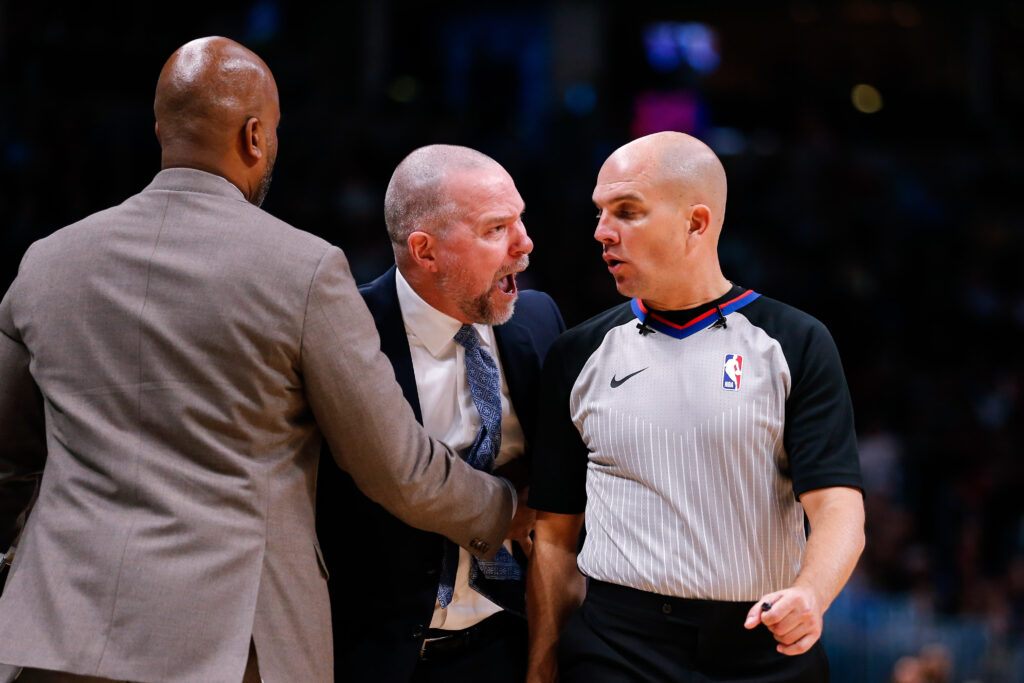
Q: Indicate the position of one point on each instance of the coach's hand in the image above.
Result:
(793, 615)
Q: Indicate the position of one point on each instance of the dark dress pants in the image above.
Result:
(622, 635)
(500, 660)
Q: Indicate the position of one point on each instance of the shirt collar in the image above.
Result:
(193, 180)
(686, 315)
(683, 323)
(432, 327)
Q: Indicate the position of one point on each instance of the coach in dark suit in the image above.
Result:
(169, 366)
(467, 356)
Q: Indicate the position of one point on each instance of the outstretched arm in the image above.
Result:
(554, 590)
(371, 429)
(836, 540)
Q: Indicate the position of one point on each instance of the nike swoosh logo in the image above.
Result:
(616, 383)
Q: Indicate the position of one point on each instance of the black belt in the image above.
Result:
(441, 644)
(715, 618)
(697, 609)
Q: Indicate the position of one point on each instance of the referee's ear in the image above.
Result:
(700, 221)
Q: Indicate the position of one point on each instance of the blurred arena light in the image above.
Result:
(866, 98)
(580, 98)
(670, 44)
(263, 22)
(655, 111)
(726, 141)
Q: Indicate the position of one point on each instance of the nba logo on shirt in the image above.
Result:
(733, 371)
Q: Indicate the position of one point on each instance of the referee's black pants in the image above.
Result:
(621, 634)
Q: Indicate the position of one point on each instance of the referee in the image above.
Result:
(698, 427)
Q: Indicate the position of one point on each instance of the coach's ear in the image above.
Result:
(423, 250)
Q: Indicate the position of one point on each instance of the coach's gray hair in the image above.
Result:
(416, 198)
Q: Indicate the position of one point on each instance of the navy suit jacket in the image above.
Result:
(382, 602)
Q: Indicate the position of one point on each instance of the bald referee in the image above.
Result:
(696, 427)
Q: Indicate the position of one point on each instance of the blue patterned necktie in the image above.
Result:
(485, 388)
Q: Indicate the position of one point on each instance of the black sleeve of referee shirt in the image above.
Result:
(559, 479)
(819, 437)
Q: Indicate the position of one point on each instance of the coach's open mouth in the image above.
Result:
(507, 284)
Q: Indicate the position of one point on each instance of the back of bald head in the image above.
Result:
(207, 91)
(686, 167)
(417, 196)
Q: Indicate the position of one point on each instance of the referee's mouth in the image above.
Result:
(612, 261)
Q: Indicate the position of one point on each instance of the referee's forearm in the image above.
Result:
(554, 590)
(836, 541)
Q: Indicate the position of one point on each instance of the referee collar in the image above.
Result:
(685, 322)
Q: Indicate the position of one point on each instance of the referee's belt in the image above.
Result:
(442, 644)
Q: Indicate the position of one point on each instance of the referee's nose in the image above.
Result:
(605, 233)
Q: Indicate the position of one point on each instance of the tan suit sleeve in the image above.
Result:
(372, 430)
(22, 435)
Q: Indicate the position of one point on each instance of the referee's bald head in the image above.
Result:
(661, 205)
(682, 165)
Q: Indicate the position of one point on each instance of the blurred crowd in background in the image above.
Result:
(874, 153)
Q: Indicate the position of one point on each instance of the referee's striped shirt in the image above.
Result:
(688, 454)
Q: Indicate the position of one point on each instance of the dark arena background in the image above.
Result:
(876, 171)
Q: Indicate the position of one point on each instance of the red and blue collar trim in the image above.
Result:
(703, 321)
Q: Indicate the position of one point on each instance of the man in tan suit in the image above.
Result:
(174, 361)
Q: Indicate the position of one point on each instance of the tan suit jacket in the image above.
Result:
(174, 361)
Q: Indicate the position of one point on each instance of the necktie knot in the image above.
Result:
(467, 338)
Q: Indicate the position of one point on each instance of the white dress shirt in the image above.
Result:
(449, 415)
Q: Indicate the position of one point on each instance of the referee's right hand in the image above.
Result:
(792, 616)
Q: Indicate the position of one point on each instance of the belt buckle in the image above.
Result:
(453, 637)
(426, 642)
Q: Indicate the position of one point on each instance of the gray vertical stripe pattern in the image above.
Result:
(681, 470)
